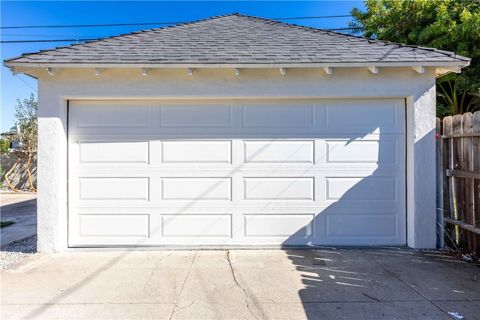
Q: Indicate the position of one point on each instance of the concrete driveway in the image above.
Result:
(241, 284)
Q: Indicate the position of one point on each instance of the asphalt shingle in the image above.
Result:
(236, 39)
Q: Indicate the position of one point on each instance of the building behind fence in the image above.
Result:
(459, 182)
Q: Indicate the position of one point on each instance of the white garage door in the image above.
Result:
(299, 172)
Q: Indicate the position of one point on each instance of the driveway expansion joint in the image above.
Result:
(175, 304)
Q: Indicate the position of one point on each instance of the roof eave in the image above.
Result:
(447, 64)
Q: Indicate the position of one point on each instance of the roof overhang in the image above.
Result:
(441, 68)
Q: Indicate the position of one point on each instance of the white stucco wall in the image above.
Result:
(54, 91)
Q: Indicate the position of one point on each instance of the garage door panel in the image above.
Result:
(197, 151)
(101, 117)
(114, 225)
(290, 172)
(364, 151)
(98, 115)
(197, 225)
(365, 116)
(108, 188)
(113, 151)
(279, 188)
(369, 189)
(196, 116)
(279, 225)
(198, 188)
(364, 225)
(291, 115)
(278, 151)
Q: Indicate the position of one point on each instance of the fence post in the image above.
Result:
(457, 183)
(440, 186)
(476, 184)
(448, 164)
(468, 184)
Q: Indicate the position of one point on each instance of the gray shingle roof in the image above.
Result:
(237, 40)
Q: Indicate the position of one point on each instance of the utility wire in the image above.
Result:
(44, 35)
(100, 36)
(341, 29)
(152, 23)
(313, 17)
(26, 83)
(92, 25)
(103, 37)
(46, 40)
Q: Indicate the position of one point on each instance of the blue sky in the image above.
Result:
(17, 13)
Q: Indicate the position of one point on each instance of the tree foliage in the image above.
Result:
(452, 25)
(26, 137)
(4, 149)
(4, 145)
(26, 117)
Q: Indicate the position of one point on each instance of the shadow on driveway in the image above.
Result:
(22, 210)
(377, 283)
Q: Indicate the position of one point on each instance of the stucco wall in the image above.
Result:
(54, 91)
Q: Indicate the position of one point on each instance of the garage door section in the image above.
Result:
(303, 172)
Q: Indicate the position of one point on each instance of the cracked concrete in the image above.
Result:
(241, 284)
(247, 298)
(147, 283)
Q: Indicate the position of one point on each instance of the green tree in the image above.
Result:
(452, 25)
(4, 149)
(4, 145)
(26, 118)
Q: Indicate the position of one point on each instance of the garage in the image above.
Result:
(210, 173)
(236, 131)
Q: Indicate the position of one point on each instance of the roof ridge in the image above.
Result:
(329, 32)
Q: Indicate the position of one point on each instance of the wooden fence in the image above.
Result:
(459, 181)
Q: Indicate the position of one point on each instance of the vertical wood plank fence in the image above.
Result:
(458, 153)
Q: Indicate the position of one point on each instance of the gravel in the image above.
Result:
(17, 251)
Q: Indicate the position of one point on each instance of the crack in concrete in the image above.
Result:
(175, 303)
(247, 298)
(369, 296)
(185, 307)
(151, 275)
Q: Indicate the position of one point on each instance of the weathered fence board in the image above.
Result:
(459, 176)
(440, 187)
(476, 184)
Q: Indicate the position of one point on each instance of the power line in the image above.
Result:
(93, 25)
(341, 29)
(153, 23)
(45, 35)
(313, 17)
(93, 39)
(90, 36)
(26, 83)
(46, 40)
